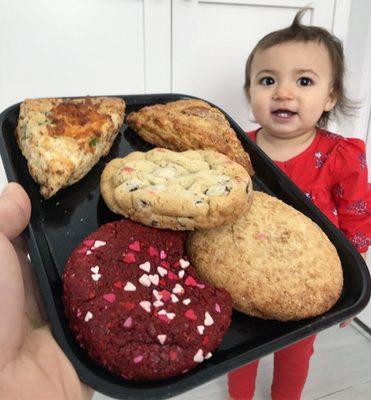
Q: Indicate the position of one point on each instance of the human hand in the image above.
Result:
(32, 365)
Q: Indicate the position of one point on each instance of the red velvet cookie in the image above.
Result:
(137, 306)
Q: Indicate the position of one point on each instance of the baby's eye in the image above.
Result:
(304, 81)
(267, 80)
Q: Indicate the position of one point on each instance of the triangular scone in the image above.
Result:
(189, 125)
(62, 139)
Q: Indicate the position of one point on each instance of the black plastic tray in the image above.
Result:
(57, 225)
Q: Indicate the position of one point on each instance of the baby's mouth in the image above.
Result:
(282, 113)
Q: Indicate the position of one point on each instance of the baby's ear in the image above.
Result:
(331, 100)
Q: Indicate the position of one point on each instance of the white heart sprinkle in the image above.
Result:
(183, 263)
(158, 303)
(129, 287)
(144, 280)
(170, 315)
(88, 252)
(157, 294)
(154, 279)
(208, 355)
(186, 301)
(178, 289)
(181, 274)
(146, 305)
(174, 299)
(201, 329)
(95, 269)
(161, 312)
(162, 271)
(96, 277)
(198, 356)
(208, 319)
(161, 338)
(98, 243)
(145, 266)
(88, 316)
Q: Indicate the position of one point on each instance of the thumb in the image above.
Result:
(15, 210)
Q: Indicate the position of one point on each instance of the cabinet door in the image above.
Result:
(82, 47)
(212, 39)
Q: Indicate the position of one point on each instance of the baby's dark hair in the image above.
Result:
(297, 32)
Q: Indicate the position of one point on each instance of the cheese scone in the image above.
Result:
(189, 125)
(62, 139)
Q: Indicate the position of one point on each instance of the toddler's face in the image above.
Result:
(291, 86)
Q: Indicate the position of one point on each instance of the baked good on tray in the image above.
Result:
(136, 304)
(62, 139)
(275, 262)
(189, 125)
(180, 191)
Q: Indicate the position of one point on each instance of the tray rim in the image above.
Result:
(118, 391)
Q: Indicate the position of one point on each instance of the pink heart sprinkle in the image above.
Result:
(200, 285)
(135, 246)
(138, 359)
(165, 295)
(217, 307)
(128, 322)
(162, 255)
(129, 258)
(172, 276)
(190, 281)
(152, 251)
(191, 314)
(127, 169)
(89, 242)
(164, 318)
(110, 297)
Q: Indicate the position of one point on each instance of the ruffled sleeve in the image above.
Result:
(352, 192)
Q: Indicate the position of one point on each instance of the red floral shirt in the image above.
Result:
(332, 172)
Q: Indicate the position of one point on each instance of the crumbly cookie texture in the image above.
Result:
(136, 304)
(62, 139)
(274, 261)
(179, 191)
(189, 125)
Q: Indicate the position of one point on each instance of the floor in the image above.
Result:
(340, 370)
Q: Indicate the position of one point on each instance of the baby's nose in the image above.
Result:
(283, 92)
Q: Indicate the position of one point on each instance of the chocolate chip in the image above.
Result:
(154, 223)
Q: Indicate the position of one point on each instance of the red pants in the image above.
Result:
(291, 365)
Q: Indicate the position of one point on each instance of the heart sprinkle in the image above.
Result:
(146, 305)
(129, 258)
(161, 338)
(88, 316)
(198, 356)
(134, 246)
(162, 255)
(191, 315)
(138, 359)
(186, 301)
(110, 297)
(129, 287)
(208, 319)
(178, 289)
(98, 243)
(217, 307)
(162, 271)
(183, 263)
(201, 329)
(144, 280)
(145, 266)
